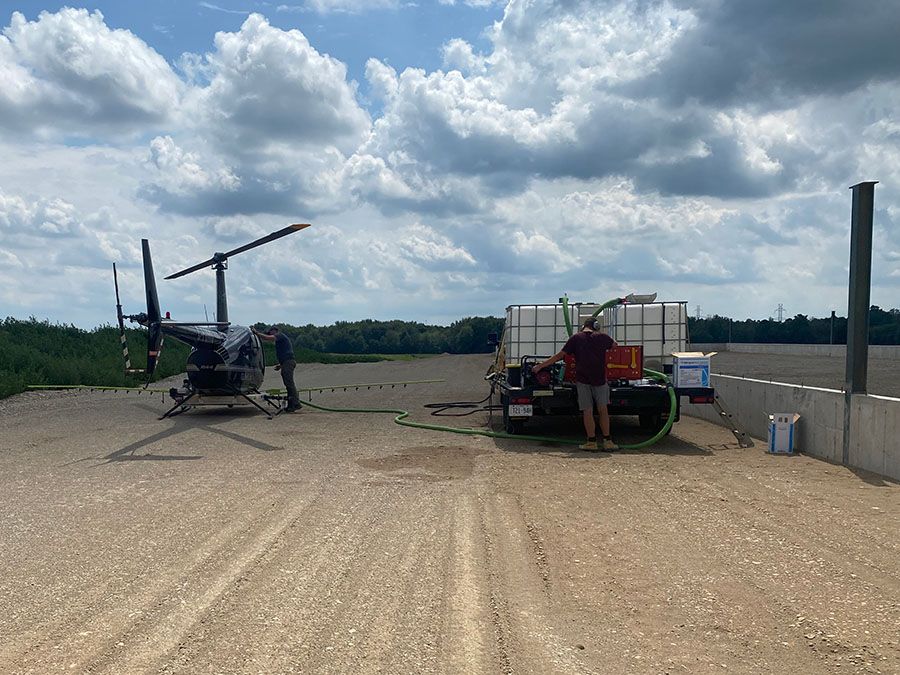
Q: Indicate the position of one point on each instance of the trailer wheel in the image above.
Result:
(510, 425)
(654, 422)
(515, 427)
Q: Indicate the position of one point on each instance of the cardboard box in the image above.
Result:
(781, 433)
(691, 369)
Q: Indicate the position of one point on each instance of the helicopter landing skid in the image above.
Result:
(195, 399)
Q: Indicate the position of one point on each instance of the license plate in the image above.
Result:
(519, 410)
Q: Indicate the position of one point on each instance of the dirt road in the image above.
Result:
(222, 542)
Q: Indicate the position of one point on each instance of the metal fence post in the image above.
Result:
(858, 302)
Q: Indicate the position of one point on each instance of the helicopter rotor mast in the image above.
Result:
(219, 262)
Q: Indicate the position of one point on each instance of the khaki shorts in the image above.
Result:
(588, 394)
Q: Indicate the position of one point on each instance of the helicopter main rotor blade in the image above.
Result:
(290, 229)
(198, 266)
(220, 257)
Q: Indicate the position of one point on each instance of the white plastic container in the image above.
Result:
(659, 327)
(536, 330)
(540, 330)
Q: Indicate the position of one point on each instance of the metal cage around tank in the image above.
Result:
(540, 329)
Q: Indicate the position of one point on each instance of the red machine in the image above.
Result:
(625, 363)
(622, 363)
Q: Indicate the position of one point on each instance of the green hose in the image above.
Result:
(401, 416)
(566, 317)
(607, 305)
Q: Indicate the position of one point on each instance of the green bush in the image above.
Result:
(38, 352)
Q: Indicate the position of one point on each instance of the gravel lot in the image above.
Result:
(816, 371)
(219, 541)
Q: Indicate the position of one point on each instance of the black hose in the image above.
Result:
(472, 407)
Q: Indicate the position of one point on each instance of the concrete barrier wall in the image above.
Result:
(875, 421)
(875, 351)
(875, 434)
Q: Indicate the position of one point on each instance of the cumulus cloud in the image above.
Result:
(272, 124)
(68, 72)
(580, 89)
(422, 245)
(270, 87)
(594, 147)
(548, 102)
(459, 54)
(42, 217)
(773, 53)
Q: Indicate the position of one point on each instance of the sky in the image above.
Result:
(453, 156)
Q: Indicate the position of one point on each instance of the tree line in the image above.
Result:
(466, 336)
(38, 352)
(884, 329)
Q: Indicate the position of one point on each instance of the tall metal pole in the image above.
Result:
(858, 304)
(831, 332)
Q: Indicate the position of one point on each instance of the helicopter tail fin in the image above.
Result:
(154, 325)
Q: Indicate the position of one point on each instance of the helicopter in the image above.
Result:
(226, 364)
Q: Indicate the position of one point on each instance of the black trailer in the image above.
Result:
(524, 397)
(534, 332)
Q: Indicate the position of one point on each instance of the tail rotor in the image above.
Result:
(121, 320)
(152, 319)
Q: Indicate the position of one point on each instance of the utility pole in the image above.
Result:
(831, 334)
(729, 330)
(858, 303)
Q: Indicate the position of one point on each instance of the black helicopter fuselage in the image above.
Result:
(223, 361)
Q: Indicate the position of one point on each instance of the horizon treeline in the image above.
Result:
(466, 336)
(38, 352)
(884, 329)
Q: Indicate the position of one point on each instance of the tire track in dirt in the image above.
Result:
(466, 634)
(529, 640)
(79, 636)
(156, 616)
(153, 642)
(397, 620)
(263, 619)
(289, 610)
(384, 608)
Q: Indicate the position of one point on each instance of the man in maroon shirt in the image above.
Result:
(589, 346)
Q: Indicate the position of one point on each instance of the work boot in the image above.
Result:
(609, 446)
(590, 445)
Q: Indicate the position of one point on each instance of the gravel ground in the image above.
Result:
(816, 371)
(219, 541)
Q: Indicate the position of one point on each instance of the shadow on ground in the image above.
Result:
(624, 431)
(195, 420)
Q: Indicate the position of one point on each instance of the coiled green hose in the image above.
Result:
(401, 415)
